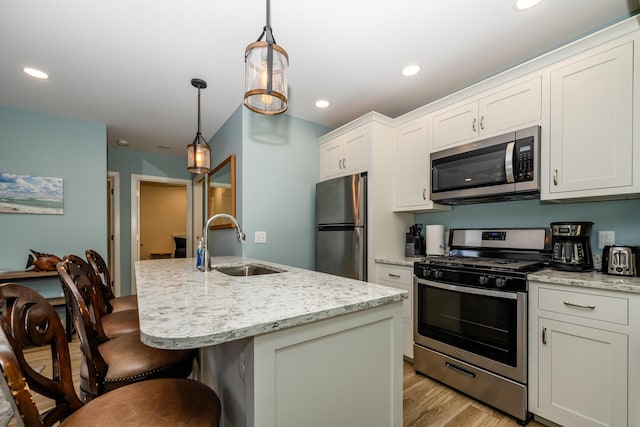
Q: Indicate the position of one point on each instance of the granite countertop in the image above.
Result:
(181, 307)
(590, 279)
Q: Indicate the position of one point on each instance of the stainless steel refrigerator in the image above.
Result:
(341, 226)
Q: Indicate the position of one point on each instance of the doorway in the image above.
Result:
(153, 220)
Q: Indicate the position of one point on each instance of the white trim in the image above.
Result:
(135, 215)
(115, 217)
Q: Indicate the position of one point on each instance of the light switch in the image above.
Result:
(261, 237)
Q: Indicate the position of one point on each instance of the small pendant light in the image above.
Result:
(266, 66)
(198, 152)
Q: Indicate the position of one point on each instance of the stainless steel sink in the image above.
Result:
(247, 270)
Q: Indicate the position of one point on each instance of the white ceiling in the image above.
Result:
(128, 63)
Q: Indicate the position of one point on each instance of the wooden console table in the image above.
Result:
(8, 276)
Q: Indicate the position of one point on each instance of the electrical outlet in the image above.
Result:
(606, 238)
(260, 237)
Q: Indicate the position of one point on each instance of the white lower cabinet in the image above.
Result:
(582, 344)
(400, 277)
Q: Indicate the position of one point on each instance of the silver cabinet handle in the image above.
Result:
(473, 125)
(571, 304)
(555, 177)
(397, 276)
(482, 122)
(344, 163)
(544, 336)
(424, 194)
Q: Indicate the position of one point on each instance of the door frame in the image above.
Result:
(135, 216)
(113, 241)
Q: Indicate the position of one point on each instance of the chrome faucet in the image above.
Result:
(206, 261)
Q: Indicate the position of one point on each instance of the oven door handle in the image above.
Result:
(471, 290)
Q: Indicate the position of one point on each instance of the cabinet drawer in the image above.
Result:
(580, 304)
(400, 275)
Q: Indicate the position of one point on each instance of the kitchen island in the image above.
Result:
(292, 348)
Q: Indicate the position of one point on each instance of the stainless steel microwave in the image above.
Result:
(505, 167)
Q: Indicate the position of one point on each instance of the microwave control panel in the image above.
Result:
(524, 153)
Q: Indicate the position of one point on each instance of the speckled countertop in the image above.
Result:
(590, 279)
(181, 307)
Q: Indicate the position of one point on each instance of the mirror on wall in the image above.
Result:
(222, 192)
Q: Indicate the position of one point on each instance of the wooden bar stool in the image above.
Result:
(27, 320)
(108, 325)
(113, 303)
(112, 363)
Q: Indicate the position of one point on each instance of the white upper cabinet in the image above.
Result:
(507, 107)
(413, 167)
(591, 140)
(346, 154)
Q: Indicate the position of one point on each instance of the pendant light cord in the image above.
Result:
(198, 113)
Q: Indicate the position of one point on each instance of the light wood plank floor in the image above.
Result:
(429, 403)
(426, 402)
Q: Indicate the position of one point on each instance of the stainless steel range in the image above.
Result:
(470, 313)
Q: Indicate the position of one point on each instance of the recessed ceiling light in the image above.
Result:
(122, 142)
(410, 70)
(322, 103)
(525, 4)
(34, 72)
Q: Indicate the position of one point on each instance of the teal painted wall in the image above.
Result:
(127, 162)
(75, 150)
(621, 216)
(277, 160)
(280, 168)
(227, 141)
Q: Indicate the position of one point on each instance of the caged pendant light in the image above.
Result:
(198, 152)
(266, 66)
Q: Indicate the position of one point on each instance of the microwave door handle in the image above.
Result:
(508, 162)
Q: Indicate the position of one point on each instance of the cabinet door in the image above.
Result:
(512, 107)
(413, 168)
(455, 125)
(356, 148)
(401, 278)
(331, 156)
(582, 374)
(591, 124)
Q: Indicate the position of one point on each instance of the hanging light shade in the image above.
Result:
(266, 66)
(198, 152)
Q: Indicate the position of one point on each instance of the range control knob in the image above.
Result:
(483, 280)
(501, 282)
(438, 274)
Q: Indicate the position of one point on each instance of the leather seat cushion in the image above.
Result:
(154, 403)
(127, 302)
(121, 323)
(129, 361)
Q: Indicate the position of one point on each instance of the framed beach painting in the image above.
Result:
(28, 194)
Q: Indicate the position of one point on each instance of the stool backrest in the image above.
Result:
(102, 272)
(79, 290)
(28, 320)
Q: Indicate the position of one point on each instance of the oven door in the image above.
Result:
(483, 327)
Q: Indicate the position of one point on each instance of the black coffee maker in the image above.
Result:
(571, 242)
(415, 244)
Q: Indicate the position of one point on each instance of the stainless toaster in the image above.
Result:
(620, 260)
